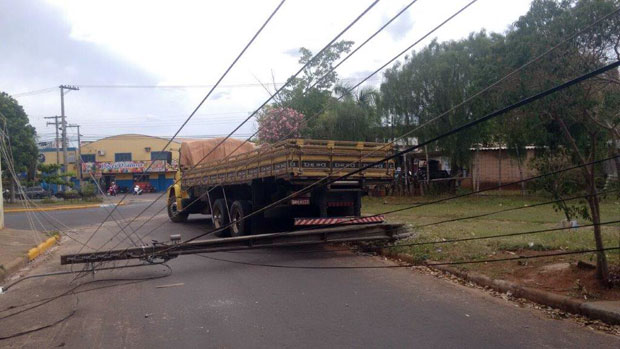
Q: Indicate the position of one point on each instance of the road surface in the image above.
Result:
(210, 303)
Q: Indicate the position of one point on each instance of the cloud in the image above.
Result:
(38, 52)
(220, 95)
(293, 52)
(401, 26)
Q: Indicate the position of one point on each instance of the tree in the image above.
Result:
(582, 120)
(50, 174)
(310, 92)
(575, 126)
(19, 137)
(437, 79)
(352, 116)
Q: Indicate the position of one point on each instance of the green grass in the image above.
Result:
(522, 220)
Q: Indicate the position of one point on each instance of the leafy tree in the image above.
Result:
(575, 126)
(437, 79)
(50, 174)
(19, 138)
(582, 120)
(310, 92)
(353, 116)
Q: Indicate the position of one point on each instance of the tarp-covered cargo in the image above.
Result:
(193, 151)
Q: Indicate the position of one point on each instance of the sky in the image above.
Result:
(171, 52)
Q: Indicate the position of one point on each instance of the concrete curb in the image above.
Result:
(568, 304)
(42, 247)
(60, 207)
(33, 253)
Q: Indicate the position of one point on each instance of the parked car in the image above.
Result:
(37, 192)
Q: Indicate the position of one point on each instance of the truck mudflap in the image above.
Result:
(338, 220)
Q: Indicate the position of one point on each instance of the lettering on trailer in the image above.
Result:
(344, 164)
(280, 165)
(315, 164)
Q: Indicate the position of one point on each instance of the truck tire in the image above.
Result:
(238, 211)
(219, 216)
(173, 212)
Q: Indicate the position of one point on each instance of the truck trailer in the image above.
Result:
(232, 180)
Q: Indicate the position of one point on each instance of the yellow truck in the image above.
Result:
(235, 179)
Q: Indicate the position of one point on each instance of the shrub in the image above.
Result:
(88, 190)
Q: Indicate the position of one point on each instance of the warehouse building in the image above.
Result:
(122, 159)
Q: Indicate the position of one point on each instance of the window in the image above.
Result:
(161, 155)
(122, 157)
(88, 157)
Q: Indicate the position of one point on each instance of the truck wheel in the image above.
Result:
(219, 214)
(238, 211)
(173, 212)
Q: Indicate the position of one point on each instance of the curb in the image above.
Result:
(568, 304)
(42, 247)
(60, 208)
(33, 253)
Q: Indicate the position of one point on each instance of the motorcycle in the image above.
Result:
(113, 190)
(137, 190)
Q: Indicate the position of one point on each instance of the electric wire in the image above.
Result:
(535, 59)
(32, 208)
(489, 116)
(351, 24)
(474, 192)
(566, 169)
(72, 290)
(318, 81)
(200, 104)
(408, 265)
(477, 94)
(467, 125)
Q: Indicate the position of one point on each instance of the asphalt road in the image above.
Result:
(209, 303)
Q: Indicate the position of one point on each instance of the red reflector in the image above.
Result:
(339, 220)
(340, 204)
(300, 201)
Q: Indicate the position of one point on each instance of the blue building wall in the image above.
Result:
(127, 183)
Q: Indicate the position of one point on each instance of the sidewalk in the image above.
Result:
(14, 247)
(607, 311)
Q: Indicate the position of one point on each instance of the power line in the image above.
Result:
(494, 260)
(537, 58)
(329, 72)
(199, 105)
(468, 125)
(327, 46)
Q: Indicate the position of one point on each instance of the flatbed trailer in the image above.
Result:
(231, 188)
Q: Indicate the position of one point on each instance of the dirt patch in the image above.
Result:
(561, 276)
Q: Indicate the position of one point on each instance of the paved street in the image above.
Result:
(209, 303)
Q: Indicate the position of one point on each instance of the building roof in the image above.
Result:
(135, 135)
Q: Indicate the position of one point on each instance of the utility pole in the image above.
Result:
(78, 160)
(56, 124)
(64, 124)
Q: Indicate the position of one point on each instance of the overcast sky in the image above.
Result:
(186, 43)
